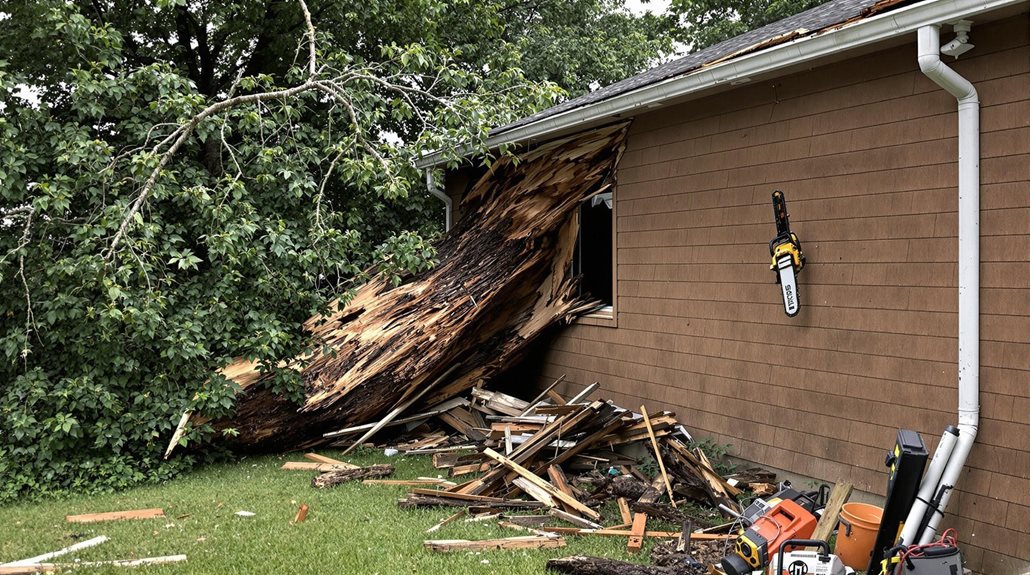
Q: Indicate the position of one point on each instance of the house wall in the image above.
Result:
(865, 151)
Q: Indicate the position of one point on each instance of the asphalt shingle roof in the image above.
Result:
(822, 16)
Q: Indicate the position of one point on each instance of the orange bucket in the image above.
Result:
(856, 534)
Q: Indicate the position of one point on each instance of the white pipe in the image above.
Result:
(447, 201)
(968, 262)
(776, 60)
(928, 486)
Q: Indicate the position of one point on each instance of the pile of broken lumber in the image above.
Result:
(564, 457)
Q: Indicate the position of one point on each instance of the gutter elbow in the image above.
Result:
(930, 64)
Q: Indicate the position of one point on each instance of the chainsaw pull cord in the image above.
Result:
(948, 539)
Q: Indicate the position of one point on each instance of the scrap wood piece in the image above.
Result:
(49, 567)
(180, 430)
(314, 466)
(419, 501)
(637, 533)
(527, 520)
(116, 516)
(582, 565)
(446, 520)
(535, 491)
(575, 519)
(70, 549)
(409, 482)
(627, 532)
(556, 397)
(658, 455)
(520, 527)
(624, 510)
(559, 480)
(540, 397)
(334, 478)
(27, 569)
(683, 543)
(547, 487)
(528, 542)
(838, 497)
(323, 459)
(585, 393)
(452, 495)
(302, 514)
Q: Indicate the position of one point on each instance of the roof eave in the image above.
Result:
(846, 36)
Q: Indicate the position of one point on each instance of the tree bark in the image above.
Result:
(334, 478)
(580, 565)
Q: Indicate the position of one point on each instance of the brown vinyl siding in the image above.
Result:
(865, 150)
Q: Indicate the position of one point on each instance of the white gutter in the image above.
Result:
(801, 51)
(968, 283)
(447, 201)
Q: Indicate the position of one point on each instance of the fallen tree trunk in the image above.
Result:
(502, 279)
(334, 478)
(580, 565)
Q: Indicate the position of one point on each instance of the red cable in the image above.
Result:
(948, 539)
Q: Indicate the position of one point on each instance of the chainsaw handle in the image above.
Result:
(800, 543)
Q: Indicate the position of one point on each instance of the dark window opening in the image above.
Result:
(593, 260)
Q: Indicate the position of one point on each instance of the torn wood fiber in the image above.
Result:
(503, 277)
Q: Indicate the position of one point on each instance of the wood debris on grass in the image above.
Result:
(116, 516)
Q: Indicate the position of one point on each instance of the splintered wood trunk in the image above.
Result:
(503, 277)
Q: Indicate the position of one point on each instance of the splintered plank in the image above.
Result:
(529, 542)
(550, 489)
(575, 519)
(658, 455)
(449, 519)
(116, 516)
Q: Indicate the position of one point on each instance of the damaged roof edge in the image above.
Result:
(842, 37)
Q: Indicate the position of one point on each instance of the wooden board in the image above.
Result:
(628, 532)
(637, 533)
(658, 455)
(838, 497)
(531, 542)
(26, 569)
(116, 516)
(627, 517)
(323, 459)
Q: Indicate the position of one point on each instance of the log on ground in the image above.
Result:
(334, 478)
(581, 565)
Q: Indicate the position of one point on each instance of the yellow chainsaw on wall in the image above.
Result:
(787, 258)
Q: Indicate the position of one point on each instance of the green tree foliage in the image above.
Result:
(193, 179)
(707, 22)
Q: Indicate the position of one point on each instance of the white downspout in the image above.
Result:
(968, 274)
(448, 203)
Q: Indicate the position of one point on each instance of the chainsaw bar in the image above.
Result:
(788, 285)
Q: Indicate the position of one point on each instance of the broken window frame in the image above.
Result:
(606, 316)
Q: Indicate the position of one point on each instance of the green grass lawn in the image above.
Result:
(352, 528)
